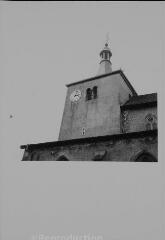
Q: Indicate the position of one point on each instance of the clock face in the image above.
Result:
(75, 96)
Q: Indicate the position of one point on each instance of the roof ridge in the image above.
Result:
(146, 94)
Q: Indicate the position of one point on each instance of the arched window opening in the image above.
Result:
(95, 92)
(88, 94)
(100, 156)
(145, 157)
(62, 158)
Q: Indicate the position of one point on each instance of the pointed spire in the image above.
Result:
(105, 63)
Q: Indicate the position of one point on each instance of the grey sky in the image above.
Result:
(45, 45)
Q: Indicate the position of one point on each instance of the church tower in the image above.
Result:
(103, 120)
(92, 106)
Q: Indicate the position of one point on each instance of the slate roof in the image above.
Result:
(146, 100)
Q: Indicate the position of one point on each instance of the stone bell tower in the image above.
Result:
(92, 106)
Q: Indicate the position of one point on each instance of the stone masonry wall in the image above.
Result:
(137, 119)
(110, 150)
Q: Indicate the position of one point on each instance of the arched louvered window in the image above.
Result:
(95, 92)
(88, 94)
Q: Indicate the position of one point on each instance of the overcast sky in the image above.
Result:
(45, 45)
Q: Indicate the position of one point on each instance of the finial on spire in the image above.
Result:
(107, 39)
